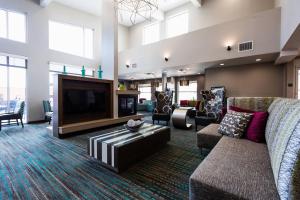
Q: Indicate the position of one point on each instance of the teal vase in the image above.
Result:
(83, 72)
(100, 72)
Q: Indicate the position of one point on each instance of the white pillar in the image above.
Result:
(164, 81)
(109, 44)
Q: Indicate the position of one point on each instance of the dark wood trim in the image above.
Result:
(66, 81)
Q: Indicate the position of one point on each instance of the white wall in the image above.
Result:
(290, 18)
(212, 12)
(208, 44)
(123, 37)
(37, 51)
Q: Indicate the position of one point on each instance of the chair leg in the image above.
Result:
(196, 127)
(17, 122)
(22, 122)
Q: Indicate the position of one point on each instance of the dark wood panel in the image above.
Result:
(64, 83)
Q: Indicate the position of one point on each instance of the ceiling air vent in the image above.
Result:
(134, 65)
(246, 46)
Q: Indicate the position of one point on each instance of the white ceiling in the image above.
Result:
(94, 7)
(194, 69)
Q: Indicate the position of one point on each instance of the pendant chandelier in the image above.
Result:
(137, 8)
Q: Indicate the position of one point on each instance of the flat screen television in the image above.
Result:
(78, 101)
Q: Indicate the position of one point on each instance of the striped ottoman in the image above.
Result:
(119, 149)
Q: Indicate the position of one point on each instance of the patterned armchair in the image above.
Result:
(163, 109)
(214, 101)
(17, 114)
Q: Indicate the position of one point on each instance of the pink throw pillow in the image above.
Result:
(256, 128)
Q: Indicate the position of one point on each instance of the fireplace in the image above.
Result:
(127, 105)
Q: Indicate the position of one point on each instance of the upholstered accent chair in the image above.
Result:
(214, 101)
(16, 115)
(48, 111)
(163, 109)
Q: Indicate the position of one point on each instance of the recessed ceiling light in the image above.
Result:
(222, 64)
(188, 68)
(258, 59)
(199, 73)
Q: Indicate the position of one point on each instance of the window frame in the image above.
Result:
(189, 91)
(144, 86)
(7, 25)
(84, 28)
(147, 26)
(61, 72)
(176, 15)
(9, 67)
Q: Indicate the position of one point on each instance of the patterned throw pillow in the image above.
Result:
(235, 124)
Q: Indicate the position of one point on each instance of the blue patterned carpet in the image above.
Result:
(35, 165)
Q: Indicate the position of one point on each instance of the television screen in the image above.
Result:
(76, 101)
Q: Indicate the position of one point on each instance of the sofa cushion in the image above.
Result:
(283, 140)
(296, 180)
(235, 124)
(234, 169)
(256, 104)
(208, 137)
(256, 129)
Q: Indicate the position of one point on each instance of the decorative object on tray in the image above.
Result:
(134, 126)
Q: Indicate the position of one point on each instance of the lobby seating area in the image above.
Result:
(259, 164)
(150, 99)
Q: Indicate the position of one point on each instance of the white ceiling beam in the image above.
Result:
(197, 3)
(158, 15)
(286, 56)
(45, 3)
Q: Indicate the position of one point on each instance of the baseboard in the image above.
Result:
(37, 122)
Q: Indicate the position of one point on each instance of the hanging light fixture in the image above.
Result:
(137, 8)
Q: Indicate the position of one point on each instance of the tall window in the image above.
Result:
(145, 91)
(57, 68)
(298, 80)
(151, 33)
(13, 25)
(12, 82)
(71, 39)
(188, 92)
(177, 24)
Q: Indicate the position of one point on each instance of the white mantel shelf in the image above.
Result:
(130, 92)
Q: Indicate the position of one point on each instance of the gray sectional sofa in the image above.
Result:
(241, 169)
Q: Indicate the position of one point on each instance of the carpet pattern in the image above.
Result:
(35, 165)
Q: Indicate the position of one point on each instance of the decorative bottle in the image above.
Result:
(83, 72)
(100, 72)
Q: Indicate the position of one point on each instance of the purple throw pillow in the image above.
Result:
(256, 128)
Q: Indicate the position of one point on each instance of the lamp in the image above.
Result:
(166, 59)
(229, 48)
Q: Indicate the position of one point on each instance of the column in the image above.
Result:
(164, 81)
(109, 47)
